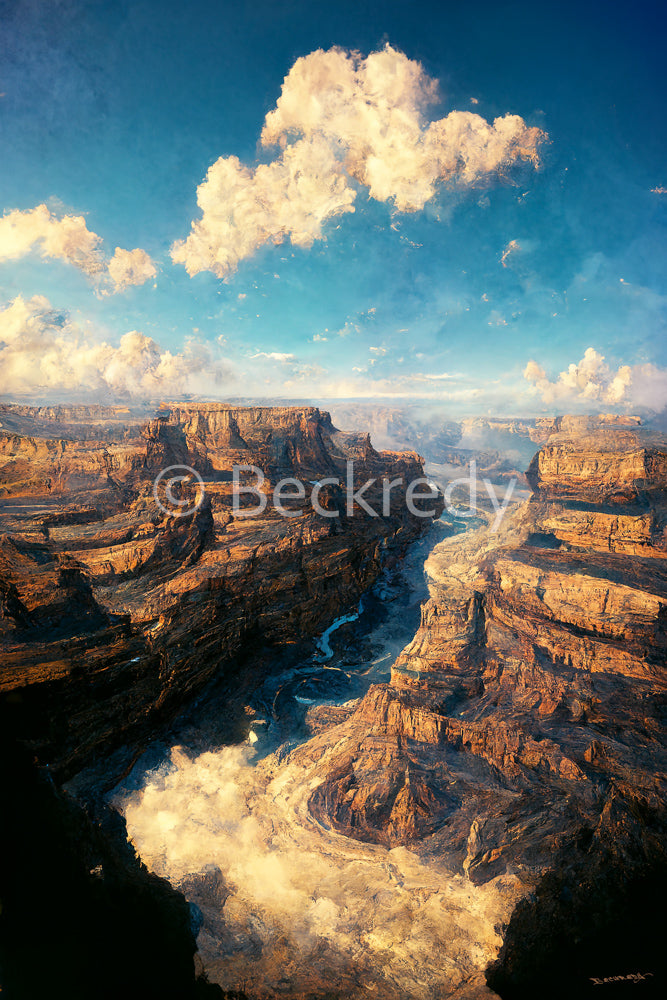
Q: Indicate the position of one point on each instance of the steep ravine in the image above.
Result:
(288, 906)
(115, 615)
(495, 813)
(466, 797)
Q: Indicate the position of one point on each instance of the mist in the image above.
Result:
(281, 899)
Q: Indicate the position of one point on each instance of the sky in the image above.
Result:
(451, 202)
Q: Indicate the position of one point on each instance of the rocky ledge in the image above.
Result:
(523, 728)
(115, 610)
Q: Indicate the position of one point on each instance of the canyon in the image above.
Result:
(522, 730)
(487, 817)
(116, 610)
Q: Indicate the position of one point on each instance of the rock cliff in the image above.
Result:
(115, 610)
(523, 728)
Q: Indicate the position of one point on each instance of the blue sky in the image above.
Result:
(115, 111)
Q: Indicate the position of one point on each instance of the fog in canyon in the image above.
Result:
(288, 906)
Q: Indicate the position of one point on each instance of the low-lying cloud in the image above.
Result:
(282, 897)
(45, 353)
(68, 238)
(344, 123)
(594, 383)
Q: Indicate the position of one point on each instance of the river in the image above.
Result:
(284, 906)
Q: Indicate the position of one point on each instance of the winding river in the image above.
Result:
(285, 907)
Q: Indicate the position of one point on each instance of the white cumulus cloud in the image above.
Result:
(242, 208)
(344, 121)
(591, 381)
(44, 352)
(130, 267)
(68, 238)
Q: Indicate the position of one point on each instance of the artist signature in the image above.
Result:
(632, 977)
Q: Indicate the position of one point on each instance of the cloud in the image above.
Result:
(43, 351)
(294, 891)
(344, 122)
(513, 247)
(243, 209)
(274, 356)
(591, 382)
(348, 328)
(130, 267)
(68, 239)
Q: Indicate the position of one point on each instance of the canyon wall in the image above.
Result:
(115, 611)
(523, 728)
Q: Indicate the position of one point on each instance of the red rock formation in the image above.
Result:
(113, 612)
(531, 695)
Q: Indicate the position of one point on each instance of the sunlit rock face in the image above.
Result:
(525, 718)
(115, 611)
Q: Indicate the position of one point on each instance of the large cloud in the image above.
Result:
(43, 352)
(243, 209)
(68, 238)
(593, 383)
(343, 121)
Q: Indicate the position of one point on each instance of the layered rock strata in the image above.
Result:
(115, 610)
(523, 728)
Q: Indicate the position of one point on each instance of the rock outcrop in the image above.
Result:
(523, 728)
(115, 609)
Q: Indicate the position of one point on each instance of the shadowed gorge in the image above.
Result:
(502, 794)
